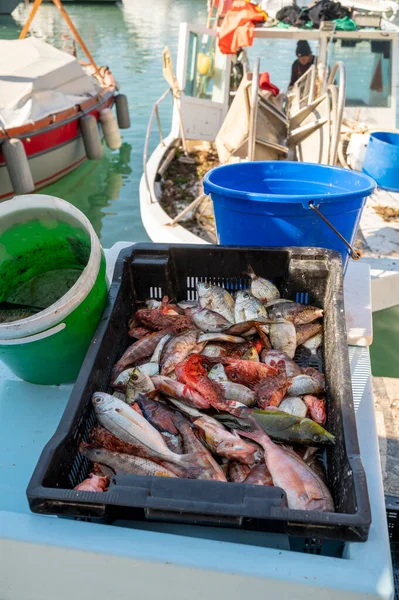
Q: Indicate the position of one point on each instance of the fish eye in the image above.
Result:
(316, 438)
(134, 377)
(97, 399)
(245, 295)
(206, 285)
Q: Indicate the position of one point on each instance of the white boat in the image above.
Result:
(321, 124)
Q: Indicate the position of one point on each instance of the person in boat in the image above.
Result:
(303, 62)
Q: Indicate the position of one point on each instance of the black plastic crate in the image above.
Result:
(145, 271)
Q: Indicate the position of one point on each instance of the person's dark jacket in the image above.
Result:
(298, 70)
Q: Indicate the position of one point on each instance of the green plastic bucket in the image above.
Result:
(51, 259)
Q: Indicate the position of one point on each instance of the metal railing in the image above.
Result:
(154, 114)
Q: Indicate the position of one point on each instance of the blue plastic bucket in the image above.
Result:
(267, 204)
(382, 159)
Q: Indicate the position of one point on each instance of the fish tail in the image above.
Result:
(250, 272)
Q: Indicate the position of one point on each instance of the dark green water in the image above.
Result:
(385, 348)
(129, 38)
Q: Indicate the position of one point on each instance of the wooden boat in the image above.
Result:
(44, 112)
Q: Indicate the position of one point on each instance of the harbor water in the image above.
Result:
(129, 37)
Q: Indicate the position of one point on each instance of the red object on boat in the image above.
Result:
(54, 144)
(237, 28)
(264, 84)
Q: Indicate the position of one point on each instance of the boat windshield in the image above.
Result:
(368, 65)
(206, 68)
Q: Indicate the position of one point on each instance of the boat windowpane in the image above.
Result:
(205, 74)
(368, 66)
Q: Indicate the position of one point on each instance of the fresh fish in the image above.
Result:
(314, 343)
(184, 304)
(177, 349)
(238, 392)
(220, 337)
(248, 308)
(220, 349)
(217, 373)
(305, 332)
(137, 351)
(152, 303)
(138, 332)
(94, 483)
(304, 384)
(185, 408)
(277, 301)
(280, 426)
(263, 289)
(209, 321)
(271, 390)
(283, 337)
(251, 354)
(150, 369)
(217, 299)
(139, 383)
(127, 424)
(10, 312)
(193, 446)
(237, 472)
(317, 408)
(247, 372)
(275, 358)
(192, 372)
(225, 443)
(180, 391)
(157, 319)
(259, 475)
(244, 328)
(160, 416)
(125, 463)
(156, 357)
(315, 374)
(119, 395)
(294, 406)
(303, 487)
(298, 314)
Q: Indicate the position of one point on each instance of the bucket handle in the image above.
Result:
(355, 254)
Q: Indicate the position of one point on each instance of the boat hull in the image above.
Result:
(53, 150)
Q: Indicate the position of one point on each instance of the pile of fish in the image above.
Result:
(210, 390)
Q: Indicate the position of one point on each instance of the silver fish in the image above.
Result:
(150, 369)
(238, 392)
(283, 337)
(217, 299)
(119, 395)
(152, 303)
(188, 304)
(246, 304)
(314, 343)
(209, 321)
(263, 289)
(299, 314)
(156, 357)
(217, 373)
(304, 384)
(294, 406)
(220, 337)
(177, 349)
(185, 408)
(139, 383)
(125, 463)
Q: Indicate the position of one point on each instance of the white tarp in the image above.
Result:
(37, 80)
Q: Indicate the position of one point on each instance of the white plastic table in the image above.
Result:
(46, 557)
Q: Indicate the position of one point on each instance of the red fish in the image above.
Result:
(178, 390)
(137, 351)
(192, 372)
(317, 408)
(271, 390)
(94, 483)
(139, 332)
(237, 472)
(247, 372)
(156, 319)
(259, 475)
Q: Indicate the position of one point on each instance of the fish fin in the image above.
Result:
(250, 272)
